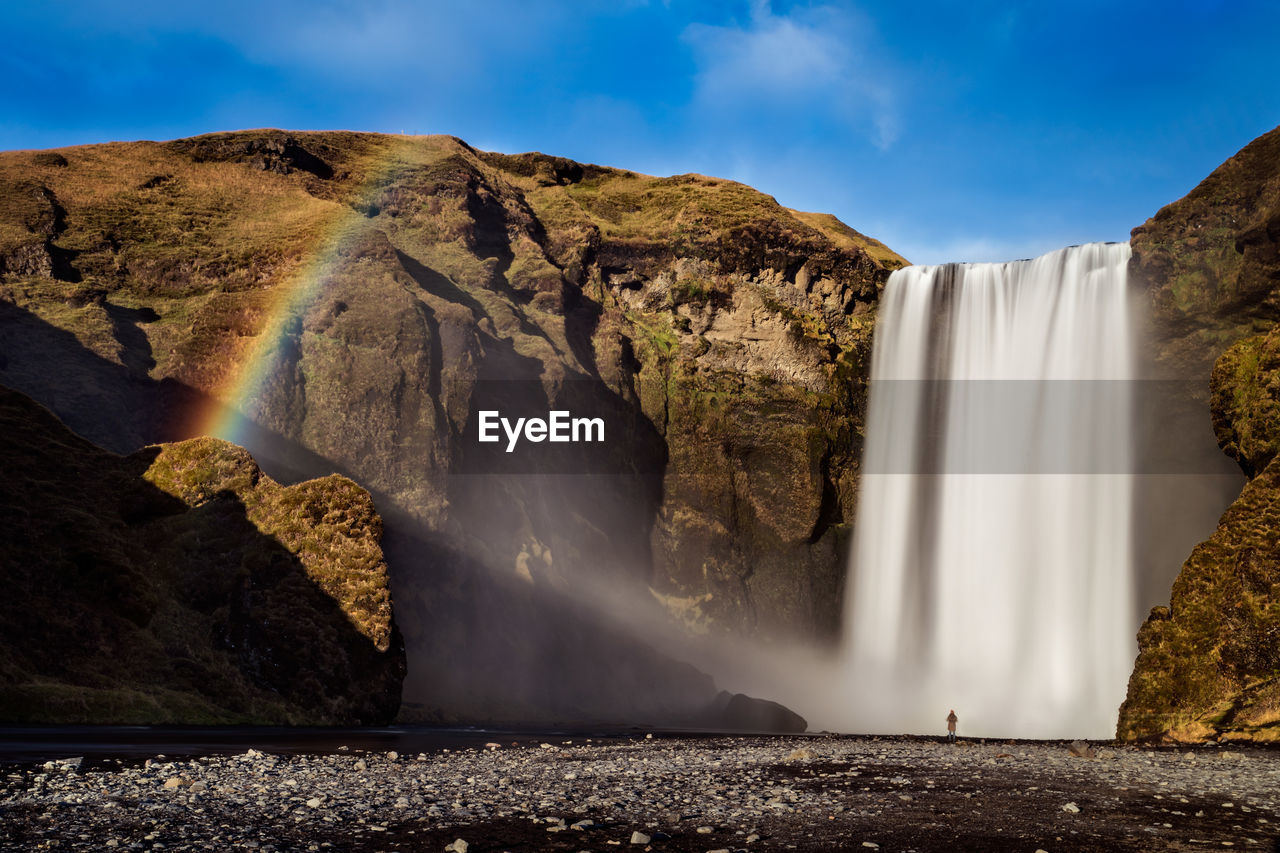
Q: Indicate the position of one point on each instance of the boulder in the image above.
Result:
(737, 712)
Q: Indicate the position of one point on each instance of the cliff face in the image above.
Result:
(180, 584)
(1209, 261)
(1209, 664)
(387, 288)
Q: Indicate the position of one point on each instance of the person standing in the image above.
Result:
(952, 719)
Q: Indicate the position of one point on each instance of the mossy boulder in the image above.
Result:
(1245, 401)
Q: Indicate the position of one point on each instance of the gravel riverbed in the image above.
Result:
(659, 793)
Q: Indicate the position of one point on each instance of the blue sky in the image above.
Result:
(952, 131)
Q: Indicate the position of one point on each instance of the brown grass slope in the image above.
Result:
(182, 585)
(202, 231)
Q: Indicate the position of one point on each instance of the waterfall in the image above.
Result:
(991, 568)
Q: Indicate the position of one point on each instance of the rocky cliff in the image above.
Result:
(348, 302)
(180, 584)
(1209, 664)
(1208, 262)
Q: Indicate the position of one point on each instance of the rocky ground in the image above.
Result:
(659, 793)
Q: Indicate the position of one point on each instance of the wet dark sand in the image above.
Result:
(683, 793)
(25, 744)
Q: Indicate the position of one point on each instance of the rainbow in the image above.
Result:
(230, 412)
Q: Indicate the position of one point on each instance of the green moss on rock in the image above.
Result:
(1209, 264)
(1246, 401)
(1209, 665)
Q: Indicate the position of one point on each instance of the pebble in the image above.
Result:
(637, 791)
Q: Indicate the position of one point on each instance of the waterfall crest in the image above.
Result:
(991, 569)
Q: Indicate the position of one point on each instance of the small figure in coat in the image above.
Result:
(951, 726)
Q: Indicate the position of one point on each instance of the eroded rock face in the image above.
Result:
(182, 585)
(1209, 664)
(723, 331)
(1209, 261)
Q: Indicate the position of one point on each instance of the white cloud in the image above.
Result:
(408, 42)
(813, 64)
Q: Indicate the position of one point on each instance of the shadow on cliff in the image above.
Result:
(125, 604)
(485, 641)
(117, 406)
(114, 405)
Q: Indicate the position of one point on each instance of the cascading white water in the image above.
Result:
(992, 562)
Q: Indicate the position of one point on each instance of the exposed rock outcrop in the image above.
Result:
(1209, 664)
(1209, 261)
(736, 712)
(180, 584)
(387, 288)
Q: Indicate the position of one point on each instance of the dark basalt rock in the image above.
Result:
(737, 712)
(276, 152)
(49, 158)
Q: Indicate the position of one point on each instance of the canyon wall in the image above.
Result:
(348, 302)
